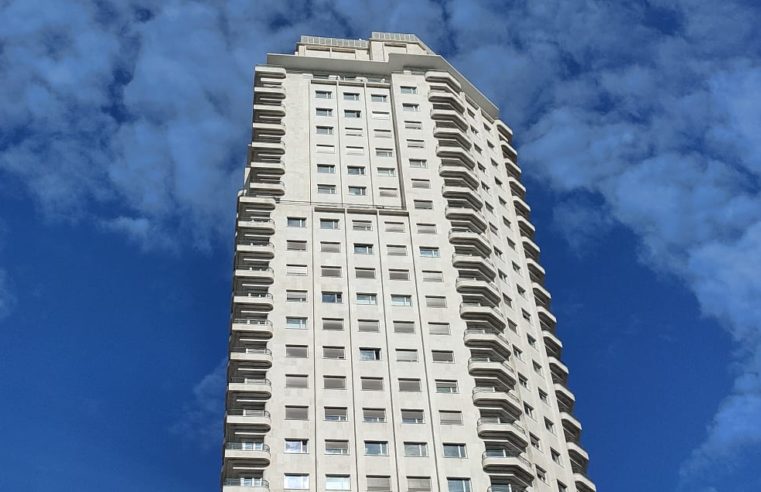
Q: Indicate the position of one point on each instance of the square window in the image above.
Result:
(412, 416)
(374, 415)
(336, 447)
(376, 448)
(336, 414)
(324, 130)
(296, 482)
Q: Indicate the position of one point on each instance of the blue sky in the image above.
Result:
(123, 128)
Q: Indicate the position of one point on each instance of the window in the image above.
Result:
(296, 381)
(396, 250)
(297, 222)
(351, 96)
(361, 225)
(334, 382)
(535, 442)
(367, 299)
(549, 425)
(324, 112)
(367, 354)
(386, 171)
(429, 252)
(296, 270)
(411, 108)
(333, 352)
(378, 484)
(296, 413)
(378, 98)
(330, 271)
(363, 249)
(323, 94)
(332, 324)
(374, 415)
(332, 297)
(418, 484)
(324, 189)
(415, 449)
(446, 386)
(412, 385)
(418, 164)
(380, 132)
(435, 301)
(324, 130)
(381, 115)
(394, 227)
(356, 170)
(426, 228)
(364, 272)
(357, 190)
(355, 150)
(329, 224)
(296, 296)
(394, 274)
(404, 326)
(384, 153)
(368, 325)
(388, 192)
(330, 247)
(406, 355)
(439, 328)
(442, 355)
(433, 276)
(413, 125)
(562, 487)
(337, 482)
(541, 474)
(376, 448)
(401, 300)
(352, 113)
(336, 447)
(555, 456)
(295, 482)
(421, 183)
(454, 450)
(415, 144)
(296, 446)
(296, 323)
(423, 204)
(296, 351)
(336, 414)
(543, 396)
(458, 485)
(450, 417)
(523, 381)
(326, 169)
(407, 89)
(296, 245)
(353, 131)
(528, 410)
(372, 384)
(412, 416)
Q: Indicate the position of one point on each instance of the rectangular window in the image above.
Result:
(352, 113)
(296, 323)
(386, 171)
(401, 300)
(324, 112)
(334, 382)
(351, 96)
(296, 381)
(426, 228)
(332, 297)
(411, 108)
(336, 414)
(296, 351)
(324, 130)
(332, 324)
(329, 224)
(423, 204)
(376, 448)
(326, 169)
(429, 252)
(458, 485)
(433, 276)
(368, 325)
(378, 484)
(296, 270)
(418, 164)
(418, 484)
(446, 386)
(384, 152)
(324, 189)
(330, 271)
(337, 482)
(378, 98)
(394, 227)
(412, 416)
(367, 299)
(404, 326)
(442, 355)
(411, 385)
(372, 384)
(297, 222)
(421, 183)
(415, 144)
(357, 190)
(438, 328)
(330, 247)
(323, 94)
(296, 296)
(408, 89)
(356, 170)
(388, 192)
(353, 131)
(296, 413)
(333, 352)
(394, 274)
(406, 355)
(298, 446)
(363, 249)
(396, 250)
(296, 245)
(336, 447)
(450, 417)
(415, 449)
(374, 415)
(364, 272)
(369, 354)
(295, 482)
(454, 450)
(435, 301)
(413, 125)
(355, 150)
(362, 225)
(381, 115)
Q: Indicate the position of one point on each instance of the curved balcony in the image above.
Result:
(510, 463)
(455, 169)
(579, 457)
(487, 314)
(256, 301)
(472, 239)
(479, 263)
(566, 399)
(552, 343)
(454, 134)
(259, 250)
(253, 453)
(583, 484)
(273, 110)
(521, 207)
(542, 295)
(267, 188)
(446, 96)
(531, 249)
(489, 290)
(546, 318)
(497, 428)
(275, 168)
(512, 168)
(260, 328)
(486, 339)
(466, 214)
(571, 426)
(251, 419)
(558, 369)
(266, 147)
(267, 71)
(535, 270)
(486, 367)
(250, 386)
(516, 187)
(260, 275)
(256, 202)
(269, 92)
(435, 76)
(508, 150)
(453, 152)
(463, 193)
(503, 130)
(267, 128)
(525, 227)
(245, 484)
(490, 397)
(260, 357)
(258, 225)
(450, 115)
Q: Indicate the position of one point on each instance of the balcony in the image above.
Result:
(535, 270)
(466, 214)
(453, 152)
(486, 367)
(508, 150)
(259, 356)
(541, 295)
(269, 92)
(255, 202)
(525, 227)
(435, 77)
(259, 275)
(252, 453)
(508, 462)
(455, 169)
(474, 338)
(552, 343)
(558, 369)
(472, 262)
(546, 318)
(530, 248)
(255, 301)
(452, 133)
(260, 328)
(270, 110)
(583, 484)
(472, 239)
(250, 386)
(255, 249)
(463, 193)
(266, 128)
(265, 71)
(256, 225)
(504, 131)
(275, 168)
(266, 147)
(497, 428)
(521, 207)
(487, 314)
(571, 426)
(484, 288)
(245, 484)
(512, 168)
(451, 116)
(491, 397)
(516, 187)
(566, 399)
(251, 419)
(579, 458)
(275, 188)
(446, 96)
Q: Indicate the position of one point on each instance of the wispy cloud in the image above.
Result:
(201, 420)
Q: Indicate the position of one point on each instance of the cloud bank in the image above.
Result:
(135, 115)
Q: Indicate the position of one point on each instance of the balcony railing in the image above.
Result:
(253, 381)
(246, 412)
(498, 420)
(247, 446)
(252, 321)
(247, 482)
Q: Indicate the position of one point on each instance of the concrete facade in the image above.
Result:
(390, 330)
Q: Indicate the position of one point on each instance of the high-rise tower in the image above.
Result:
(390, 328)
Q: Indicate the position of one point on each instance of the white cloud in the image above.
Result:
(201, 419)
